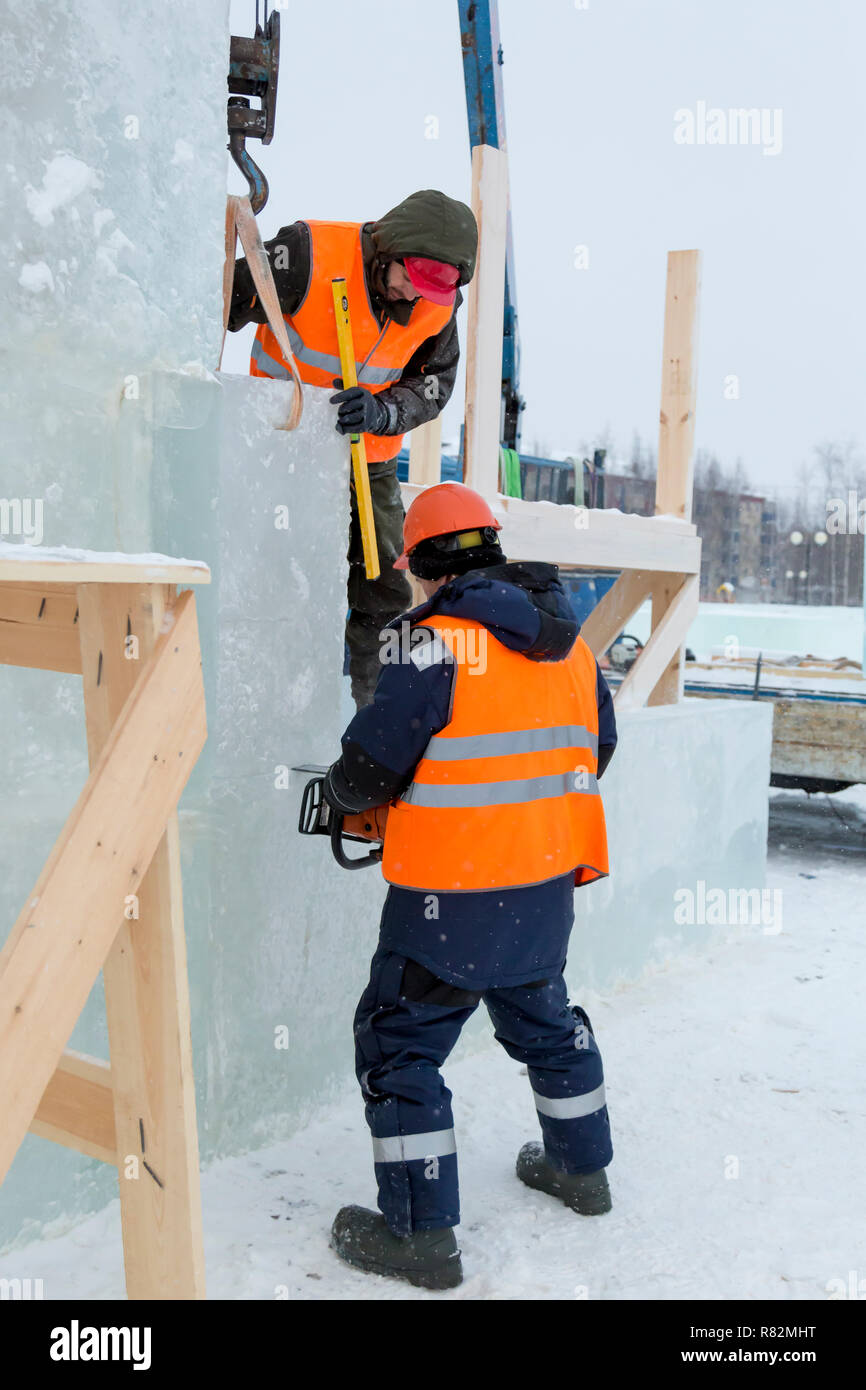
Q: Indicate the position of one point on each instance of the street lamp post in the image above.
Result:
(797, 538)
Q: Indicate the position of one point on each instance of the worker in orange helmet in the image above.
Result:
(490, 727)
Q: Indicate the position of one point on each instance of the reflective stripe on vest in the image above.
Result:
(520, 741)
(325, 363)
(501, 793)
(381, 350)
(506, 794)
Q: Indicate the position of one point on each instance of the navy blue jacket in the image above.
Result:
(484, 939)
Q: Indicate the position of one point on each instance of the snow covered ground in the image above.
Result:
(735, 1089)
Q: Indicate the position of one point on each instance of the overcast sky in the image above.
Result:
(591, 96)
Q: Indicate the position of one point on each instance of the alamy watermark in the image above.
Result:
(735, 125)
(732, 907)
(426, 646)
(846, 515)
(22, 516)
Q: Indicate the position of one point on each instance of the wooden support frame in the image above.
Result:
(138, 653)
(655, 557)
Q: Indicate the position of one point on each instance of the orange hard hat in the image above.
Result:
(440, 511)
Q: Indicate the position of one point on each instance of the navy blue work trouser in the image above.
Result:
(406, 1024)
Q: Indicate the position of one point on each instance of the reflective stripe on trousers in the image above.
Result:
(569, 1107)
(406, 1148)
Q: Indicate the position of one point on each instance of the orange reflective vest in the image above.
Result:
(381, 352)
(506, 794)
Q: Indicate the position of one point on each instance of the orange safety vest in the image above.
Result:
(506, 794)
(381, 352)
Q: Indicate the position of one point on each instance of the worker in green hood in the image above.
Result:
(404, 274)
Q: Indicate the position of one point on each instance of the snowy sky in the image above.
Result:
(591, 92)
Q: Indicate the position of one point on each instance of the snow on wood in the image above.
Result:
(61, 564)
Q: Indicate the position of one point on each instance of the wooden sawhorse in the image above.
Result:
(109, 899)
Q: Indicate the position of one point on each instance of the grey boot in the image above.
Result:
(586, 1193)
(427, 1259)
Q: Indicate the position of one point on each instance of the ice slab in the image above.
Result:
(111, 242)
(686, 801)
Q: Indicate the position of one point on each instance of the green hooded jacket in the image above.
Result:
(427, 223)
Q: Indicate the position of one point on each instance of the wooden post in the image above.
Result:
(676, 433)
(425, 453)
(679, 386)
(146, 988)
(486, 308)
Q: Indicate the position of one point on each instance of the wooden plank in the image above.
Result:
(56, 948)
(46, 648)
(425, 453)
(25, 564)
(679, 386)
(147, 993)
(614, 610)
(593, 538)
(486, 307)
(38, 627)
(77, 1107)
(641, 680)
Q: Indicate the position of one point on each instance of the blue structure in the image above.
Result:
(485, 108)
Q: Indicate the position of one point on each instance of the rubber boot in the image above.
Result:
(427, 1259)
(586, 1193)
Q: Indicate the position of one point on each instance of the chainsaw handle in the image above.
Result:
(340, 854)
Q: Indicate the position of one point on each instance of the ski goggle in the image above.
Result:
(465, 540)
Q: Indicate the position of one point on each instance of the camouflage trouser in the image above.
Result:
(373, 603)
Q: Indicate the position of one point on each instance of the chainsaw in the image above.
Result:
(319, 818)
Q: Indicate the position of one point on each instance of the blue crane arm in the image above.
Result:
(485, 106)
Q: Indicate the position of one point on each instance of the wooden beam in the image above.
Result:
(486, 308)
(653, 661)
(27, 564)
(679, 386)
(77, 1107)
(669, 688)
(51, 605)
(615, 609)
(146, 990)
(425, 453)
(55, 951)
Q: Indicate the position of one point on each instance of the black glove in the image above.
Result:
(336, 790)
(360, 412)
